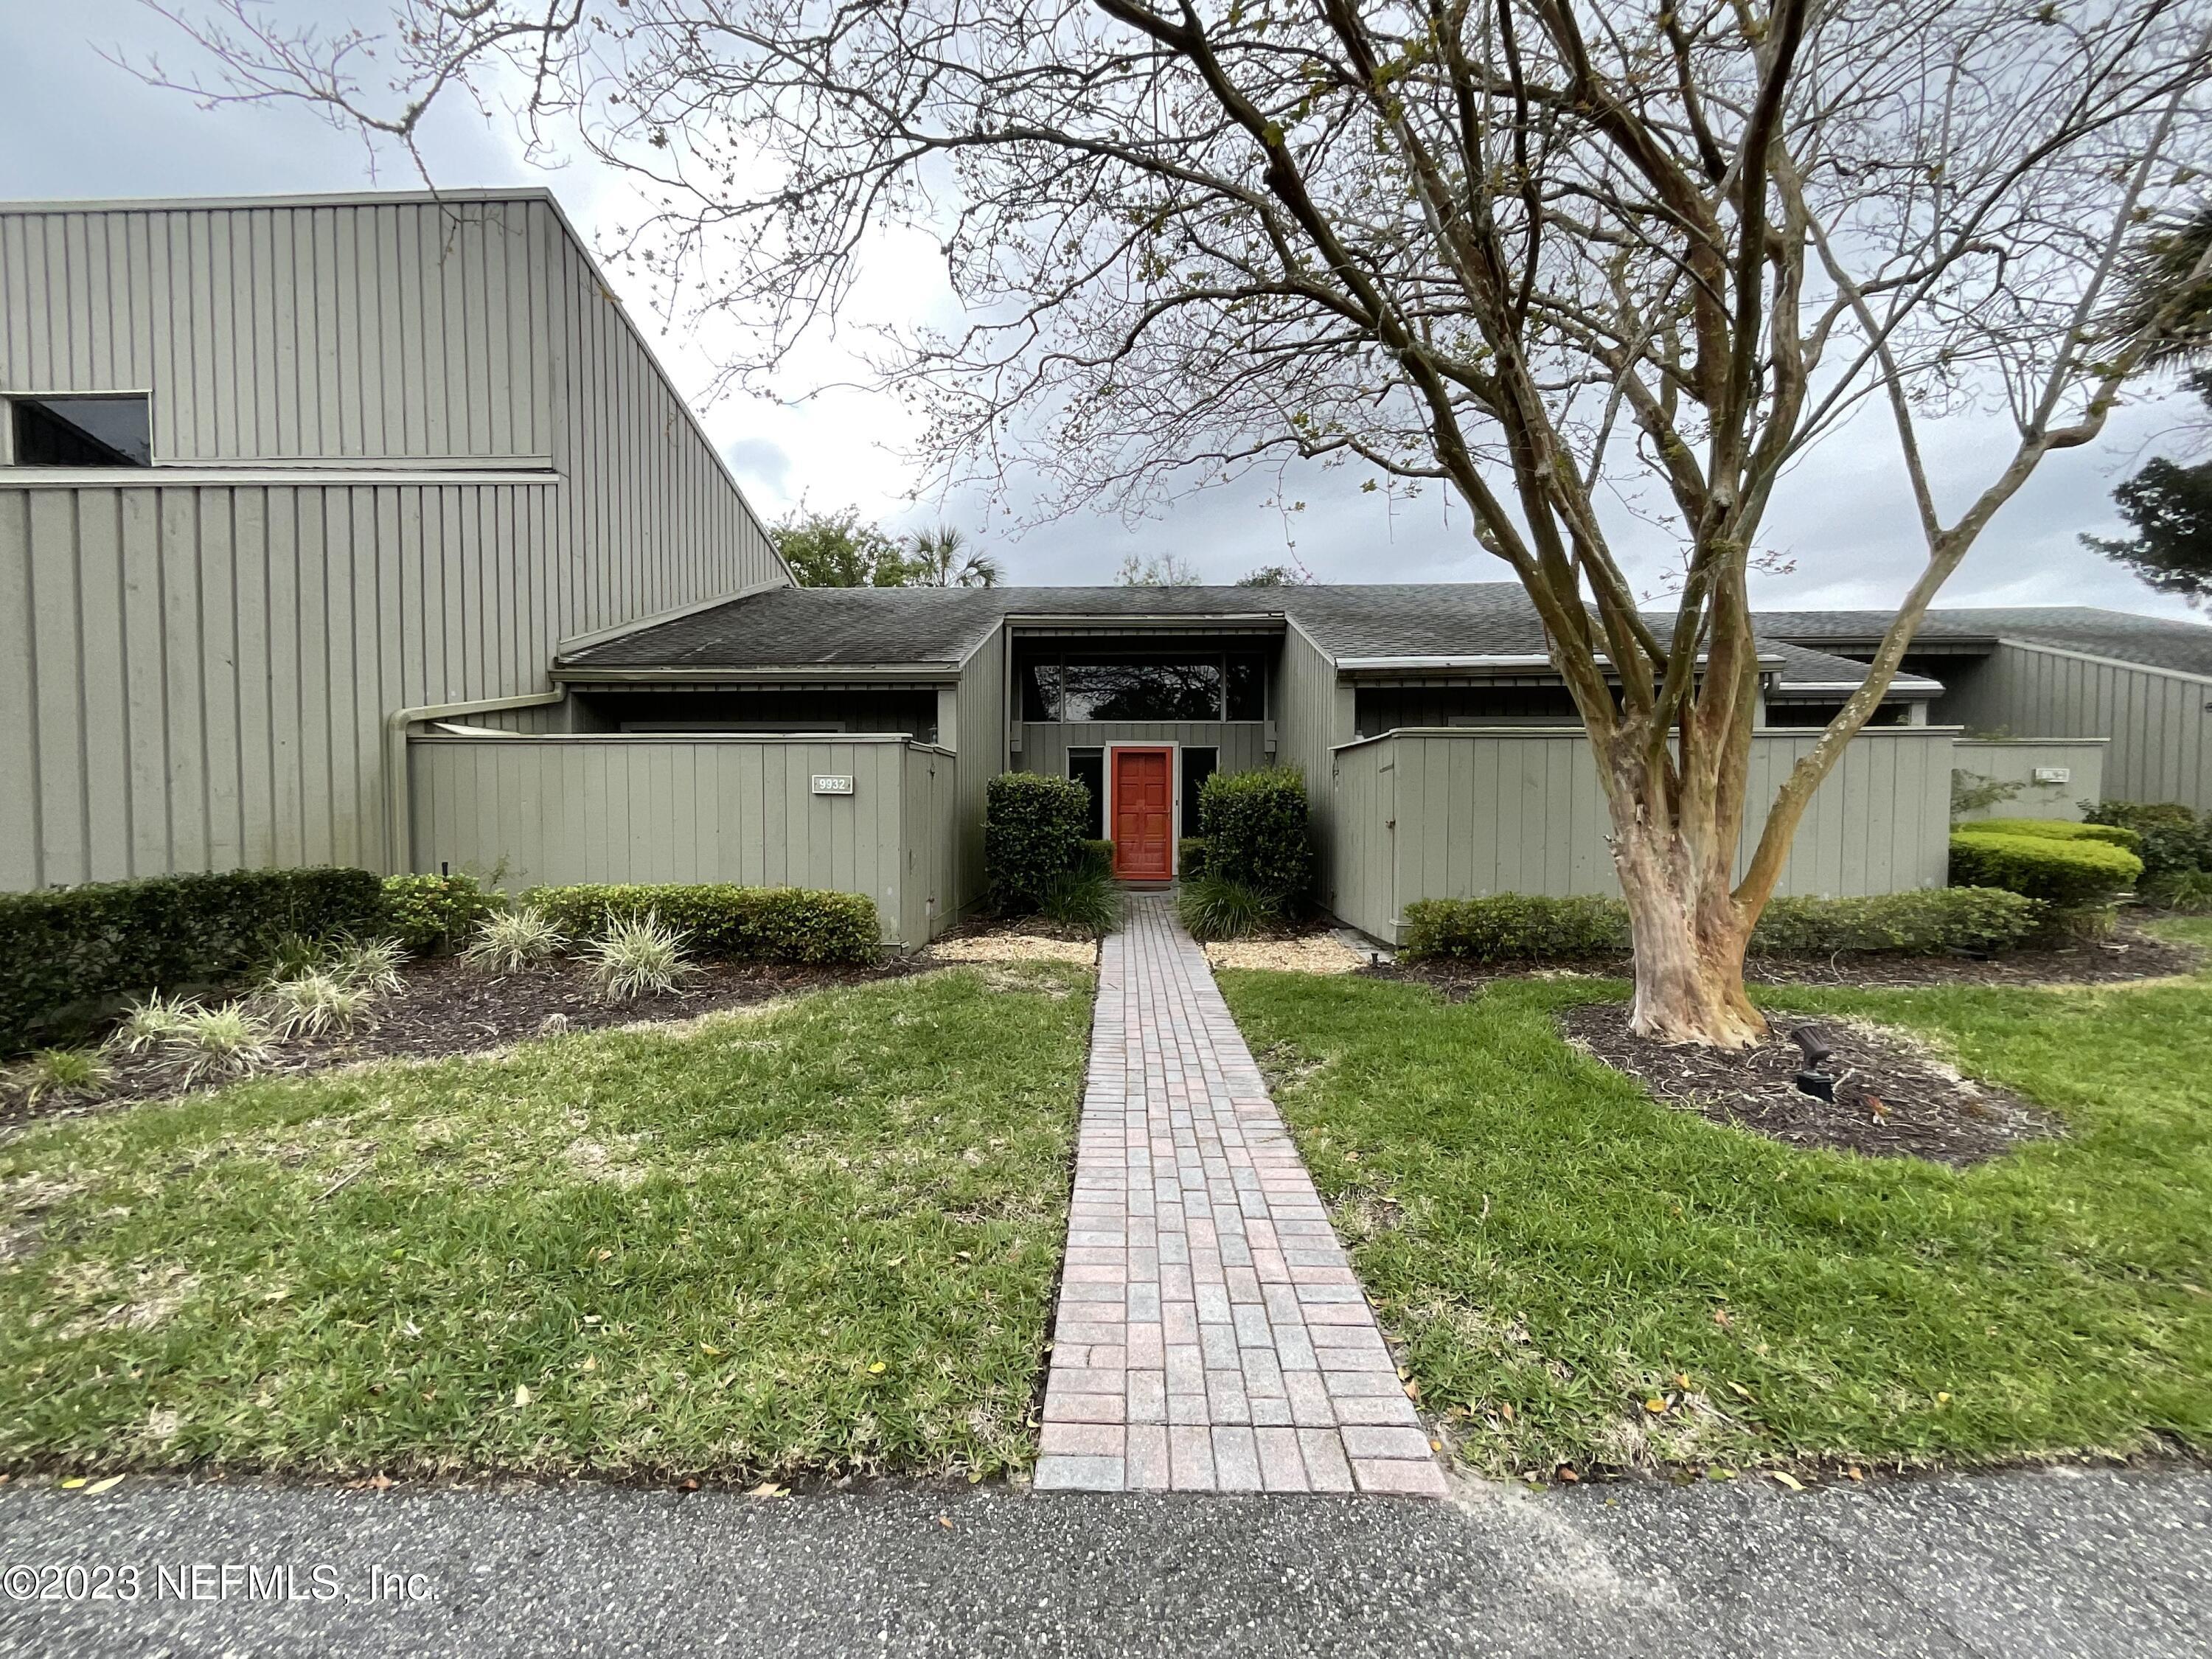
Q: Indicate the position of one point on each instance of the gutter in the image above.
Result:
(907, 673)
(1496, 662)
(397, 830)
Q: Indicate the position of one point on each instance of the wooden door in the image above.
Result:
(1144, 814)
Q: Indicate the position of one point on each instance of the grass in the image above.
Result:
(1557, 1253)
(816, 1237)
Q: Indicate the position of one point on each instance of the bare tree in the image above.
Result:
(1535, 252)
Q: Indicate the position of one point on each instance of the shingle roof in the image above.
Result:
(933, 629)
(2154, 642)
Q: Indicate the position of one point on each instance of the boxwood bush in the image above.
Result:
(1528, 927)
(1254, 825)
(74, 953)
(724, 921)
(2059, 830)
(1035, 827)
(432, 915)
(1190, 857)
(1929, 923)
(2069, 876)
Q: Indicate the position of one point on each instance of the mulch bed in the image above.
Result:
(2127, 955)
(1892, 1100)
(446, 1007)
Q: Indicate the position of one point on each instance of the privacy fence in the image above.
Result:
(1460, 812)
(859, 814)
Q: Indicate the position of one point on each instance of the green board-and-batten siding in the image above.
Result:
(1463, 813)
(1243, 744)
(2159, 720)
(196, 663)
(545, 811)
(2018, 761)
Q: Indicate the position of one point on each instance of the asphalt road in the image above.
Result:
(2069, 1564)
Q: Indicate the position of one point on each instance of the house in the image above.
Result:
(367, 530)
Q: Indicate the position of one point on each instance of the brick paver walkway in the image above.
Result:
(1211, 1335)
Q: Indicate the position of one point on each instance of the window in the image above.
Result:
(1198, 765)
(1208, 687)
(1247, 688)
(1088, 767)
(82, 431)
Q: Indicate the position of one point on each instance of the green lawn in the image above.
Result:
(1555, 1251)
(818, 1238)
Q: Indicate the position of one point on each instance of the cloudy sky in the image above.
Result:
(74, 124)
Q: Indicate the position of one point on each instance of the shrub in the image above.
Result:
(1214, 908)
(513, 939)
(431, 915)
(2185, 893)
(57, 1073)
(639, 957)
(1096, 857)
(2059, 830)
(1523, 927)
(2067, 874)
(150, 1022)
(1983, 920)
(1256, 833)
(2175, 837)
(725, 922)
(312, 1004)
(1190, 857)
(1033, 829)
(213, 1042)
(1516, 927)
(1085, 899)
(373, 964)
(74, 953)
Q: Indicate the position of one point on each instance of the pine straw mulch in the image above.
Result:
(445, 1007)
(2130, 954)
(1892, 1098)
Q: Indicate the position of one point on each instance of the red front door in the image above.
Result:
(1144, 814)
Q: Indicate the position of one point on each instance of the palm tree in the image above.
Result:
(939, 562)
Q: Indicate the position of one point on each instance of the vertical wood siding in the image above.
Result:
(2160, 722)
(979, 738)
(2011, 762)
(1314, 712)
(1462, 814)
(302, 333)
(1243, 744)
(554, 809)
(196, 676)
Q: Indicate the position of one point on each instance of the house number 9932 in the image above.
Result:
(832, 783)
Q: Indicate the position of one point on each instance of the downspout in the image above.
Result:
(398, 831)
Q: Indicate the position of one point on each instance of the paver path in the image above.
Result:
(1211, 1336)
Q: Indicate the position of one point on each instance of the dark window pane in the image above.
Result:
(1248, 689)
(83, 431)
(1088, 767)
(1041, 691)
(1157, 690)
(1198, 766)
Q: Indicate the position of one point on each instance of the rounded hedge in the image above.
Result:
(2059, 830)
(2069, 875)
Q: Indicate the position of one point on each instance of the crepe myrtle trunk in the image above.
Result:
(1688, 927)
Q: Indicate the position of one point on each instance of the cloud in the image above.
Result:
(759, 461)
